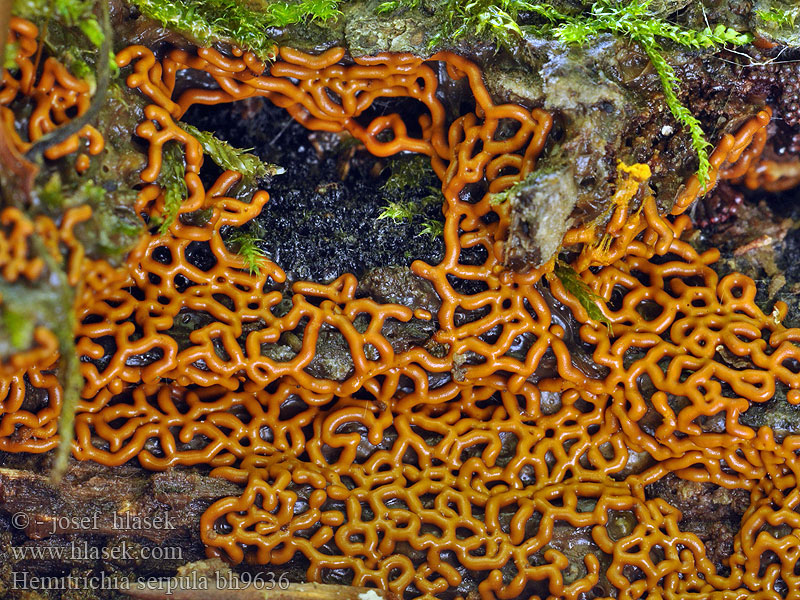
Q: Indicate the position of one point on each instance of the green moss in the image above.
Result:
(210, 21)
(409, 210)
(52, 195)
(80, 13)
(9, 62)
(432, 228)
(637, 22)
(127, 229)
(494, 19)
(589, 300)
(408, 172)
(65, 26)
(252, 168)
(409, 175)
(670, 83)
(780, 17)
(500, 22)
(497, 20)
(72, 13)
(398, 210)
(171, 179)
(501, 197)
(94, 194)
(18, 327)
(79, 68)
(113, 227)
(247, 245)
(778, 20)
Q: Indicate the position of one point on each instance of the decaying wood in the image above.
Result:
(99, 500)
(100, 507)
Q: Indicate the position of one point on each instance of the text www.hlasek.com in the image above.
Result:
(84, 551)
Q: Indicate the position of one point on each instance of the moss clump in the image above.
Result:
(497, 20)
(210, 21)
(501, 22)
(572, 282)
(407, 171)
(247, 244)
(171, 179)
(777, 20)
(411, 210)
(113, 227)
(18, 327)
(9, 58)
(782, 18)
(411, 174)
(252, 168)
(72, 13)
(52, 194)
(432, 228)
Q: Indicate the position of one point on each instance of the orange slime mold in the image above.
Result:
(384, 477)
(55, 94)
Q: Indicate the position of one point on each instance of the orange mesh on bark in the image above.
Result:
(513, 474)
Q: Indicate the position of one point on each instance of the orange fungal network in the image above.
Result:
(56, 94)
(516, 470)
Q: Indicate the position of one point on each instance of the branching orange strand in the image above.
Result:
(56, 93)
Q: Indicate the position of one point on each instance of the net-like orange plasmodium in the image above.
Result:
(515, 474)
(55, 96)
(31, 393)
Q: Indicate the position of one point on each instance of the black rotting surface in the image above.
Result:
(316, 225)
(758, 236)
(711, 512)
